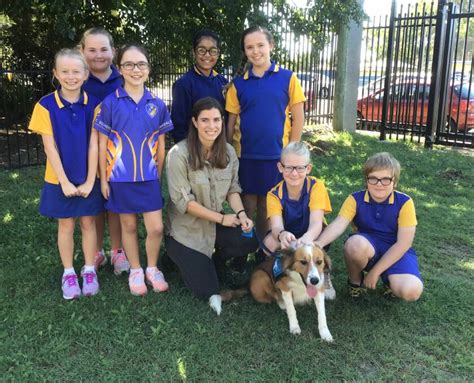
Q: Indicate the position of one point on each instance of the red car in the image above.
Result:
(408, 105)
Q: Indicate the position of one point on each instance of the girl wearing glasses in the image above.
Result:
(199, 82)
(385, 224)
(132, 123)
(296, 206)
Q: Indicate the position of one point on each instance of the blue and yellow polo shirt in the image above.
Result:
(188, 89)
(132, 130)
(295, 214)
(70, 125)
(381, 220)
(99, 89)
(263, 104)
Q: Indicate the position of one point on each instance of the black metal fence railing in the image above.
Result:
(416, 74)
(22, 87)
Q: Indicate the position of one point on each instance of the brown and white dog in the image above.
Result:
(301, 281)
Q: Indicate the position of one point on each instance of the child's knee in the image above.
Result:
(87, 223)
(129, 226)
(66, 226)
(357, 247)
(409, 291)
(155, 230)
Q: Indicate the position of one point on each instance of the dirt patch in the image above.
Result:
(452, 174)
(319, 139)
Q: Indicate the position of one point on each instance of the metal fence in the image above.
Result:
(416, 74)
(22, 87)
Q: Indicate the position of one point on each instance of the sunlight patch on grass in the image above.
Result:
(469, 265)
(181, 369)
(459, 207)
(431, 204)
(7, 218)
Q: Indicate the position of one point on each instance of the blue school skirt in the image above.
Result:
(134, 197)
(55, 204)
(258, 176)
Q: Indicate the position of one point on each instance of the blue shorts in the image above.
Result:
(258, 176)
(134, 197)
(407, 264)
(54, 204)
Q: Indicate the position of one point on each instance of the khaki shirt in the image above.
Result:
(209, 187)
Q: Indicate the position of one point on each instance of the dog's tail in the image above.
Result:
(228, 295)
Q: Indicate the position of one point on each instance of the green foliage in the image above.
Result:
(175, 337)
(37, 29)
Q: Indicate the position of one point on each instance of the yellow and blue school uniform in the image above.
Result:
(263, 104)
(95, 87)
(379, 224)
(296, 213)
(188, 89)
(133, 130)
(70, 125)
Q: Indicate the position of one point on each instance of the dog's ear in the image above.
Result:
(327, 262)
(287, 257)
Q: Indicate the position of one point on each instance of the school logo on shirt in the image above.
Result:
(151, 109)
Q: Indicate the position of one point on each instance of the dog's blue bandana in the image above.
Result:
(277, 269)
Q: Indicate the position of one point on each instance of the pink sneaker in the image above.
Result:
(99, 260)
(137, 283)
(119, 261)
(70, 287)
(90, 284)
(156, 279)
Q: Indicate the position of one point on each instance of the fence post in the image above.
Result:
(435, 88)
(388, 71)
(347, 76)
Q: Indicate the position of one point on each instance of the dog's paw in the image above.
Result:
(215, 301)
(295, 330)
(325, 335)
(330, 294)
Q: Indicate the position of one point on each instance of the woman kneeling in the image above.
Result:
(202, 173)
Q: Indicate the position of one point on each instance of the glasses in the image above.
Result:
(299, 169)
(142, 65)
(385, 181)
(201, 51)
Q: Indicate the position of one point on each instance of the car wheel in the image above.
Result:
(324, 92)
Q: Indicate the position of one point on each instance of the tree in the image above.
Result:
(37, 29)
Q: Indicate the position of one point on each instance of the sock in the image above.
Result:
(89, 269)
(150, 269)
(133, 270)
(68, 271)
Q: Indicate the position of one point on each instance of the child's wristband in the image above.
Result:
(280, 234)
(238, 213)
(222, 220)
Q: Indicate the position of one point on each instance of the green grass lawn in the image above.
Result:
(173, 336)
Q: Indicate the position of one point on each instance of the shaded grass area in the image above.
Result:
(175, 337)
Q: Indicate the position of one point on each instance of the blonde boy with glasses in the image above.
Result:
(296, 206)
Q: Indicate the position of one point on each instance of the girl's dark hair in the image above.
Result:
(127, 47)
(255, 28)
(219, 157)
(203, 33)
(96, 31)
